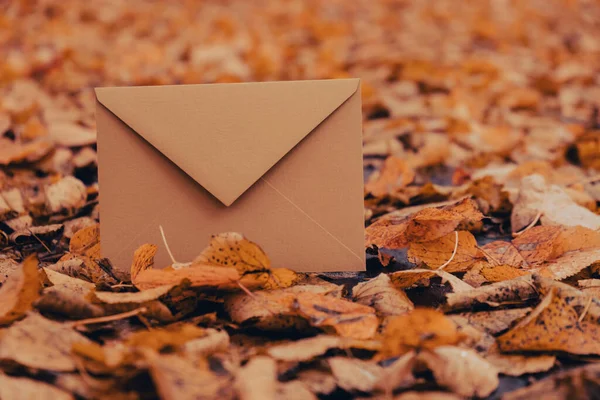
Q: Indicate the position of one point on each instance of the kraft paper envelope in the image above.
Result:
(279, 162)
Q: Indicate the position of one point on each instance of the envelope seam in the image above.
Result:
(312, 219)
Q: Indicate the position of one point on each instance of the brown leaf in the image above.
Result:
(495, 321)
(581, 382)
(257, 380)
(307, 349)
(570, 264)
(37, 342)
(517, 365)
(86, 242)
(294, 390)
(555, 206)
(439, 251)
(554, 325)
(499, 273)
(461, 370)
(213, 341)
(83, 267)
(23, 388)
(421, 277)
(19, 291)
(537, 244)
(14, 152)
(505, 253)
(68, 195)
(71, 135)
(395, 174)
(352, 374)
(382, 295)
(421, 328)
(159, 339)
(345, 318)
(143, 259)
(233, 250)
(398, 229)
(199, 275)
(178, 379)
(8, 267)
(518, 290)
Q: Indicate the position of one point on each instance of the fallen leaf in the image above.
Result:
(345, 318)
(499, 273)
(427, 396)
(517, 365)
(37, 342)
(495, 321)
(213, 341)
(257, 380)
(12, 152)
(207, 276)
(143, 259)
(23, 389)
(233, 250)
(114, 303)
(382, 295)
(352, 374)
(537, 244)
(8, 267)
(83, 267)
(168, 337)
(86, 242)
(71, 135)
(580, 382)
(421, 277)
(178, 379)
(518, 290)
(294, 390)
(571, 263)
(67, 196)
(19, 291)
(462, 371)
(395, 174)
(437, 252)
(317, 381)
(504, 253)
(307, 349)
(423, 328)
(552, 203)
(554, 325)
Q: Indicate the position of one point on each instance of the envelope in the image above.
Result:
(279, 162)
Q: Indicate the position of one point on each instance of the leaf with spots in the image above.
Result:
(234, 250)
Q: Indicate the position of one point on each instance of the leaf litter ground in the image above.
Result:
(481, 159)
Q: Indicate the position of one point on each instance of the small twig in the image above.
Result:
(109, 318)
(531, 225)
(39, 240)
(122, 285)
(444, 265)
(162, 233)
(585, 310)
(245, 289)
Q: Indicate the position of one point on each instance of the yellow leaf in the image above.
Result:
(19, 291)
(439, 251)
(86, 242)
(232, 250)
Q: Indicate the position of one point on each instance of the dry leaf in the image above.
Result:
(233, 250)
(499, 273)
(65, 196)
(345, 318)
(207, 276)
(15, 152)
(319, 382)
(380, 294)
(307, 349)
(8, 267)
(86, 242)
(554, 325)
(114, 303)
(517, 365)
(427, 396)
(165, 338)
(570, 264)
(12, 388)
(294, 390)
(576, 383)
(437, 252)
(37, 342)
(71, 135)
(143, 259)
(257, 380)
(352, 374)
(518, 290)
(395, 174)
(19, 291)
(84, 268)
(421, 277)
(399, 374)
(421, 328)
(505, 253)
(461, 370)
(552, 203)
(178, 379)
(213, 341)
(495, 321)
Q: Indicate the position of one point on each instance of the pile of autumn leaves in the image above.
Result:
(505, 312)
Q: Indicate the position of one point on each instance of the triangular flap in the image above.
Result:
(226, 136)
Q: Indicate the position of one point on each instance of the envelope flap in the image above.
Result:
(226, 136)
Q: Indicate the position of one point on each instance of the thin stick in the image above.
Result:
(39, 240)
(585, 310)
(109, 318)
(122, 285)
(162, 232)
(245, 289)
(444, 265)
(531, 225)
